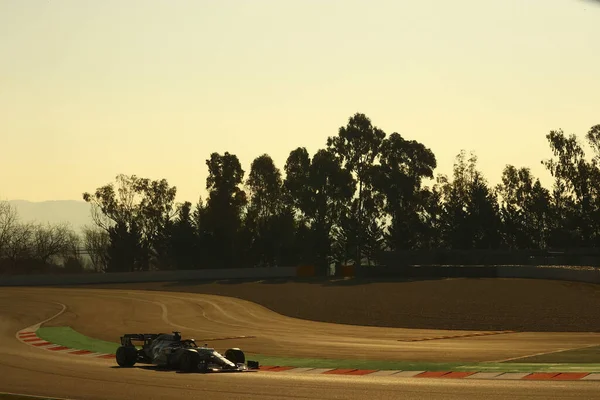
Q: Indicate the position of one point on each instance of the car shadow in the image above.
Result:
(154, 368)
(174, 371)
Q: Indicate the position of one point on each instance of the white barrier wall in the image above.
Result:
(564, 273)
(148, 276)
(558, 273)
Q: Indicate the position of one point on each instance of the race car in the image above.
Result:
(170, 351)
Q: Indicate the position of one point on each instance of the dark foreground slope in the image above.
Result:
(473, 304)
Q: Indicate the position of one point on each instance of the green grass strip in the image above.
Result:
(66, 336)
(421, 366)
(531, 367)
(349, 363)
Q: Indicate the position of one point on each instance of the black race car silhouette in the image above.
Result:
(170, 351)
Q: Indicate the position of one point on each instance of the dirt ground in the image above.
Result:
(29, 369)
(455, 304)
(225, 322)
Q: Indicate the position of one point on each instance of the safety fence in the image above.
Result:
(566, 273)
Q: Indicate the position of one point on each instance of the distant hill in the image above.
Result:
(76, 213)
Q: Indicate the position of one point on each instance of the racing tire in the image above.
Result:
(126, 356)
(189, 362)
(235, 355)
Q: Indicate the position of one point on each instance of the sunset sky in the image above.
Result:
(93, 88)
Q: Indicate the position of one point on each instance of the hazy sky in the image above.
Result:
(93, 88)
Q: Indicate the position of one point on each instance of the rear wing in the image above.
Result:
(128, 338)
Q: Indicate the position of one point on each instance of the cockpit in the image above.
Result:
(168, 338)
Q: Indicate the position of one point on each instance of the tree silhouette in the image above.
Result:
(403, 165)
(524, 209)
(221, 219)
(320, 189)
(357, 145)
(575, 195)
(470, 216)
(362, 195)
(269, 221)
(96, 242)
(136, 213)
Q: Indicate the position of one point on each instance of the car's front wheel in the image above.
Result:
(235, 355)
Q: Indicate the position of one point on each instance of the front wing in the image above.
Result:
(252, 366)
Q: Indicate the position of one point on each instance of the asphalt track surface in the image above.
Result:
(106, 314)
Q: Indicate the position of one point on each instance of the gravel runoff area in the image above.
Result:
(455, 304)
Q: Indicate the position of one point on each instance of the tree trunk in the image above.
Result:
(359, 237)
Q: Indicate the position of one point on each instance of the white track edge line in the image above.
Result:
(545, 353)
(35, 396)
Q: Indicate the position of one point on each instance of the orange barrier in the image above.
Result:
(346, 271)
(305, 270)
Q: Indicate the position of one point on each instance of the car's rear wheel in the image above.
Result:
(235, 355)
(126, 356)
